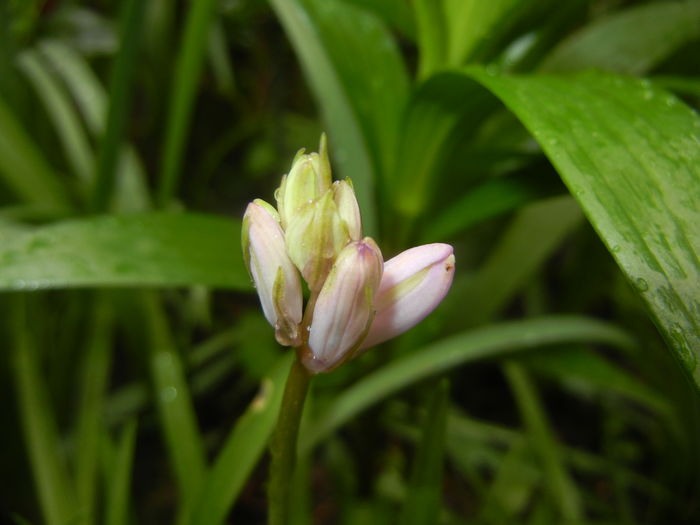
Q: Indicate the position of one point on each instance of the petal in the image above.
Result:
(344, 308)
(413, 285)
(275, 277)
(348, 209)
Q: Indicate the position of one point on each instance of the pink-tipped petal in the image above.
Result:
(344, 308)
(413, 285)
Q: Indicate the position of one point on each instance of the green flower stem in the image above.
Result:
(283, 448)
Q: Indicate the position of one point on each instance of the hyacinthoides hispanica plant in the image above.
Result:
(356, 300)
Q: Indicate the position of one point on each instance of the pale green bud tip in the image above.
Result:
(344, 309)
(347, 206)
(275, 277)
(308, 179)
(315, 237)
(413, 284)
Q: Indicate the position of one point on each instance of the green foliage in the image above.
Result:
(141, 383)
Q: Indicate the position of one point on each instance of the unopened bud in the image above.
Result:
(344, 309)
(309, 178)
(413, 284)
(348, 209)
(275, 277)
(315, 237)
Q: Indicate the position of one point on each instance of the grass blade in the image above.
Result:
(54, 489)
(117, 504)
(187, 75)
(423, 500)
(243, 448)
(24, 168)
(562, 488)
(489, 342)
(68, 127)
(174, 403)
(89, 427)
(120, 93)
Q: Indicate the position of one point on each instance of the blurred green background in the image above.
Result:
(556, 145)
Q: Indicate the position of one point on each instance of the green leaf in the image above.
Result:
(632, 41)
(559, 484)
(491, 341)
(178, 420)
(242, 450)
(94, 376)
(120, 94)
(434, 112)
(493, 197)
(430, 25)
(65, 120)
(362, 114)
(423, 499)
(630, 154)
(471, 23)
(185, 80)
(157, 249)
(528, 241)
(24, 169)
(55, 493)
(117, 510)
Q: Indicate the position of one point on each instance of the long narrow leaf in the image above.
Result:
(185, 80)
(159, 249)
(242, 450)
(632, 41)
(56, 495)
(489, 342)
(117, 504)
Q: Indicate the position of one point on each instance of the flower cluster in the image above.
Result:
(356, 299)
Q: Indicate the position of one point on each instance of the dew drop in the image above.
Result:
(616, 248)
(642, 285)
(168, 394)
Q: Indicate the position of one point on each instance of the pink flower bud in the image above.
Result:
(275, 277)
(344, 308)
(413, 285)
(347, 206)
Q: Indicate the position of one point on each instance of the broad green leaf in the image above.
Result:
(396, 13)
(243, 448)
(361, 111)
(491, 341)
(632, 41)
(157, 249)
(630, 154)
(24, 169)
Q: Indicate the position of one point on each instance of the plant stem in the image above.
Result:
(283, 448)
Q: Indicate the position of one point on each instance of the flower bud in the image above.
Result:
(309, 178)
(348, 209)
(413, 285)
(315, 237)
(275, 277)
(344, 309)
